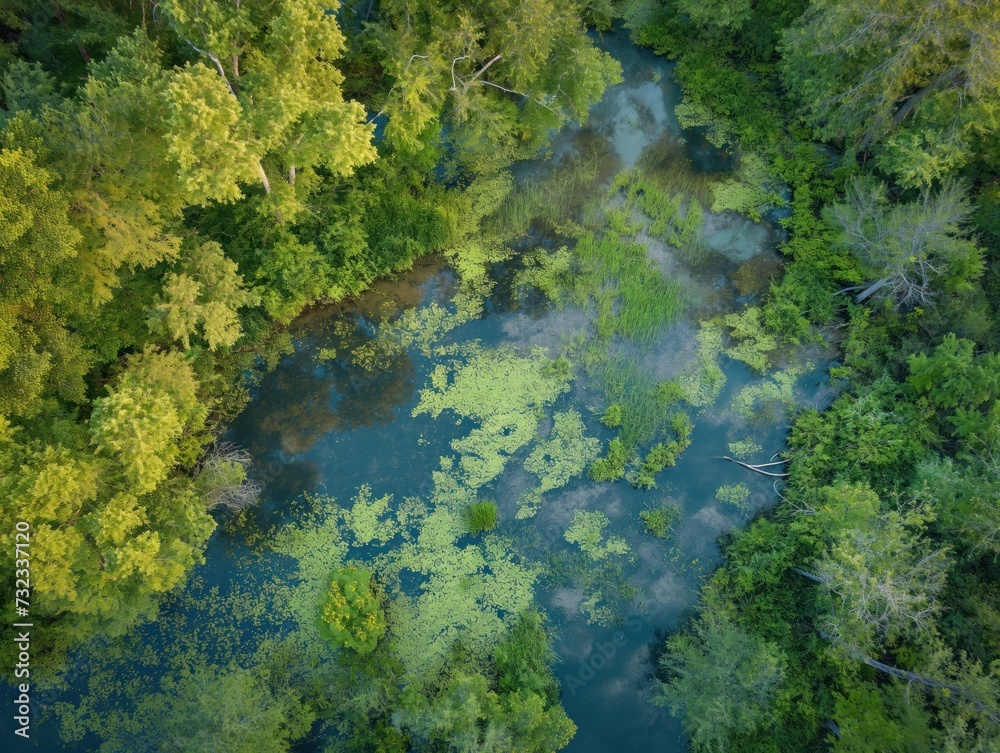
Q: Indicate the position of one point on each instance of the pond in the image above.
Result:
(391, 413)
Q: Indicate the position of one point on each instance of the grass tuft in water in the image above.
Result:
(661, 519)
(480, 517)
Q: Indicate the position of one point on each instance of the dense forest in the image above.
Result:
(180, 180)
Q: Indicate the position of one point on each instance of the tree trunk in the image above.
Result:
(808, 575)
(757, 468)
(267, 189)
(61, 16)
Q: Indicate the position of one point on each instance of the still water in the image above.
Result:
(327, 421)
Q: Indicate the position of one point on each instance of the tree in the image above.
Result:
(884, 579)
(151, 419)
(964, 496)
(860, 68)
(263, 99)
(503, 74)
(467, 716)
(721, 679)
(216, 710)
(108, 144)
(39, 354)
(203, 295)
(964, 387)
(915, 249)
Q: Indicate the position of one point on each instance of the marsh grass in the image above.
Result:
(641, 413)
(552, 200)
(480, 517)
(667, 163)
(638, 406)
(661, 519)
(633, 298)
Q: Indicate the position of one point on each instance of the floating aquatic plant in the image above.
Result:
(565, 454)
(736, 494)
(767, 402)
(366, 518)
(744, 448)
(587, 531)
(704, 381)
(502, 389)
(754, 343)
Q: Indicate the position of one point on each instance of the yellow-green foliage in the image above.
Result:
(505, 392)
(587, 531)
(565, 454)
(735, 494)
(352, 615)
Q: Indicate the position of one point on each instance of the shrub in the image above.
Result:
(352, 616)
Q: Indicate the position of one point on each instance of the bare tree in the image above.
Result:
(222, 478)
(912, 247)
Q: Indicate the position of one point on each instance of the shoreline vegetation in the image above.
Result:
(177, 186)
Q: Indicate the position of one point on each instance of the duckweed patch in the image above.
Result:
(754, 343)
(768, 401)
(704, 380)
(735, 494)
(505, 392)
(587, 531)
(563, 456)
(744, 448)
